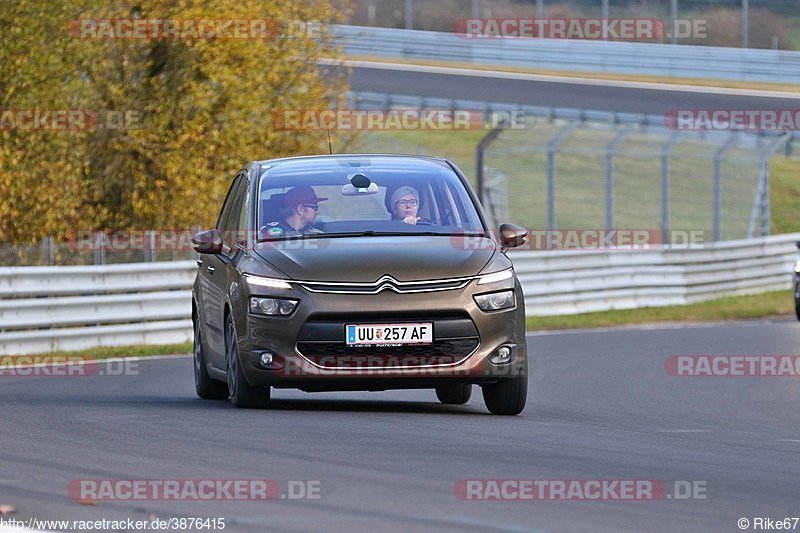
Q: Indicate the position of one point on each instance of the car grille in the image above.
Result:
(383, 284)
(338, 355)
(322, 343)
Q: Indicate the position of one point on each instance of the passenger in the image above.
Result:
(405, 204)
(298, 213)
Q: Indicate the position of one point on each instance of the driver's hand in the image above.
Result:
(411, 220)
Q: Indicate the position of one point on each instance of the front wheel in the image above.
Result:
(206, 388)
(242, 393)
(507, 397)
(454, 394)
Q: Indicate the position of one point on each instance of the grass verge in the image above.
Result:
(778, 303)
(109, 352)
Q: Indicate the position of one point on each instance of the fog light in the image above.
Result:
(266, 359)
(502, 356)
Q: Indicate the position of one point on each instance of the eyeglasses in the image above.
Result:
(314, 207)
(407, 203)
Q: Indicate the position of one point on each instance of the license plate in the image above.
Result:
(388, 334)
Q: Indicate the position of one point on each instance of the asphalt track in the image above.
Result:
(601, 406)
(559, 92)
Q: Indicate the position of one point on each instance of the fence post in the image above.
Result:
(718, 155)
(552, 146)
(479, 153)
(48, 251)
(666, 153)
(100, 248)
(149, 246)
(611, 151)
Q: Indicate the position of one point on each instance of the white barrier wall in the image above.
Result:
(683, 61)
(45, 309)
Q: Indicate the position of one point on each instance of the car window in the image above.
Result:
(230, 222)
(243, 208)
(227, 207)
(440, 200)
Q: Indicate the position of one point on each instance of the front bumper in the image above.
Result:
(370, 369)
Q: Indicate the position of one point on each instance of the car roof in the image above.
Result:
(322, 160)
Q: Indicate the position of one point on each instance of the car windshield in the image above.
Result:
(374, 195)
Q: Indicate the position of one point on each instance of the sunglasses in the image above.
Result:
(407, 203)
(314, 207)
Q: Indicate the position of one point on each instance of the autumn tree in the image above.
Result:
(196, 108)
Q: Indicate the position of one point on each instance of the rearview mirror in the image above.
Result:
(512, 235)
(208, 242)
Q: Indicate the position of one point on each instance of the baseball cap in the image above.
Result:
(301, 195)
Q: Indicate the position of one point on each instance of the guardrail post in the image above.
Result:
(666, 153)
(552, 146)
(611, 151)
(717, 185)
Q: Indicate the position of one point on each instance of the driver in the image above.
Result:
(405, 204)
(298, 213)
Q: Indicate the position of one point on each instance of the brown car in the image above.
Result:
(358, 272)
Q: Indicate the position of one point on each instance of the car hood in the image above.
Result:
(365, 259)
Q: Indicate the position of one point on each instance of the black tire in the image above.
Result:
(454, 394)
(242, 394)
(206, 388)
(507, 397)
(797, 309)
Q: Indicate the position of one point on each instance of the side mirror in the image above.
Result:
(512, 235)
(208, 242)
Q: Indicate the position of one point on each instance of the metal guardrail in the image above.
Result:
(570, 282)
(575, 55)
(45, 309)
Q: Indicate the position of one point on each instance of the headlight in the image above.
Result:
(270, 283)
(797, 267)
(272, 306)
(495, 277)
(495, 301)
